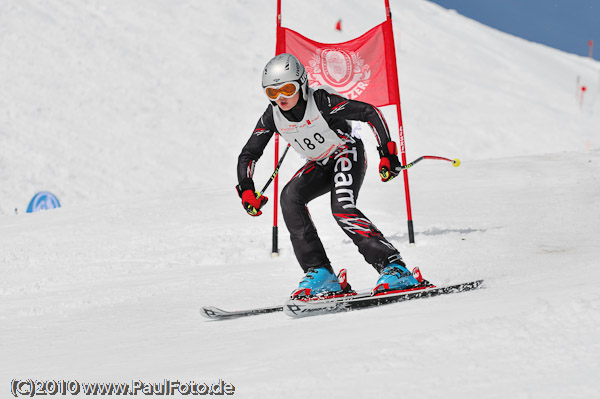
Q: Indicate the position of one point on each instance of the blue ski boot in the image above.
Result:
(319, 281)
(396, 277)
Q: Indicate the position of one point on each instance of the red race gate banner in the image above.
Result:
(358, 69)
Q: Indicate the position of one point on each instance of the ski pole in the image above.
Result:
(455, 161)
(385, 171)
(276, 171)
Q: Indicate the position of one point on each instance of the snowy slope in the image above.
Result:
(102, 101)
(134, 114)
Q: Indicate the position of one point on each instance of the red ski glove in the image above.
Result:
(389, 166)
(251, 200)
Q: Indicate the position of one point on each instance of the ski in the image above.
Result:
(363, 299)
(303, 308)
(213, 313)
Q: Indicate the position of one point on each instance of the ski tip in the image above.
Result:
(210, 312)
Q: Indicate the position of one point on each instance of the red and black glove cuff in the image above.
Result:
(387, 150)
(389, 166)
(245, 184)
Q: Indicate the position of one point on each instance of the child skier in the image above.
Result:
(315, 123)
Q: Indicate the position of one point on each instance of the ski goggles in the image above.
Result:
(286, 90)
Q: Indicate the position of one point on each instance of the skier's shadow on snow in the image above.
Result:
(432, 232)
(437, 232)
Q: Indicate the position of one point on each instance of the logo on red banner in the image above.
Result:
(343, 70)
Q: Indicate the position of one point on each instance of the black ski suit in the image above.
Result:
(340, 172)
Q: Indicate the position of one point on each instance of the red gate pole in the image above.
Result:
(395, 93)
(275, 233)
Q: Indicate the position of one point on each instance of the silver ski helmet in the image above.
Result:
(285, 68)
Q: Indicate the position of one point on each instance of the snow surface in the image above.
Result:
(133, 114)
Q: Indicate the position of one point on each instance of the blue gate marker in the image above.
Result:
(43, 200)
